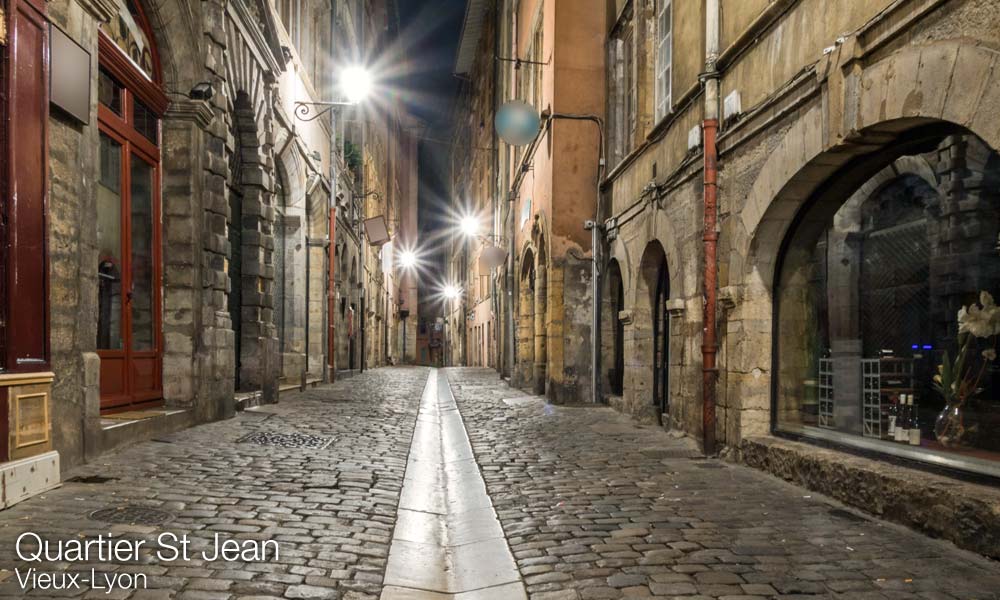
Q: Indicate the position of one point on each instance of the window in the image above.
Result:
(664, 43)
(290, 12)
(622, 93)
(537, 44)
(875, 294)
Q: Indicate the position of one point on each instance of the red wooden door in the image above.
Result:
(24, 315)
(129, 333)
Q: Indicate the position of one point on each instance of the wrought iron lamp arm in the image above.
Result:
(309, 111)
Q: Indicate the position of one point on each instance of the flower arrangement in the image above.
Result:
(958, 381)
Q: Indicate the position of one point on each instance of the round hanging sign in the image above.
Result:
(517, 122)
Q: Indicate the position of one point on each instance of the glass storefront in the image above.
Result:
(886, 323)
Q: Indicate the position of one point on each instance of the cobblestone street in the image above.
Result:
(595, 507)
(592, 506)
(331, 509)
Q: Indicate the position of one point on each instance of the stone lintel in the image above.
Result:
(198, 111)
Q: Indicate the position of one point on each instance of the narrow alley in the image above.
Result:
(390, 484)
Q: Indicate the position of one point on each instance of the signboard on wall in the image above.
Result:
(69, 75)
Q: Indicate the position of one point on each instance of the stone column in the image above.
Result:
(540, 329)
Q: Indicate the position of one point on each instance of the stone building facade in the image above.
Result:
(187, 208)
(803, 193)
(531, 201)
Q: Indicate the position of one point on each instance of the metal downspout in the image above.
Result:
(709, 346)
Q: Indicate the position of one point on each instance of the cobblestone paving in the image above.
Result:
(331, 509)
(595, 507)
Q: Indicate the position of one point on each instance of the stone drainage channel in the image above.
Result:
(448, 542)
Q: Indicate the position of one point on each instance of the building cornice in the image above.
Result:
(102, 10)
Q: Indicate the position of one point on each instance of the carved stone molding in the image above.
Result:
(198, 111)
(676, 307)
(729, 297)
(102, 10)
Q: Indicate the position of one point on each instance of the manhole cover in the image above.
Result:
(132, 515)
(286, 440)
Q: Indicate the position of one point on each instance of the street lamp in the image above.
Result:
(469, 226)
(408, 259)
(355, 85)
(451, 292)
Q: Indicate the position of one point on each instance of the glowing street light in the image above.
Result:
(451, 292)
(355, 84)
(469, 226)
(408, 259)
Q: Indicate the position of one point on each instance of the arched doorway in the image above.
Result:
(284, 272)
(130, 103)
(526, 320)
(652, 329)
(234, 230)
(351, 318)
(613, 331)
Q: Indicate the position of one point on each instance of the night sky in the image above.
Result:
(430, 30)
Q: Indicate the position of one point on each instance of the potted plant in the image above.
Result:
(958, 381)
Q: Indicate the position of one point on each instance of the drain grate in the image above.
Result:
(91, 479)
(132, 515)
(286, 440)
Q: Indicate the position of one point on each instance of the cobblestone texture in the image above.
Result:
(596, 507)
(332, 510)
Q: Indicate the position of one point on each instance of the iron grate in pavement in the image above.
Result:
(132, 515)
(96, 479)
(286, 440)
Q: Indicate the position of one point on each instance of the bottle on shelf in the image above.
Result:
(914, 427)
(893, 414)
(900, 433)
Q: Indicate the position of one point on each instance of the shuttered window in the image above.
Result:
(664, 49)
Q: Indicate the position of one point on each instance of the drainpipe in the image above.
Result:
(709, 345)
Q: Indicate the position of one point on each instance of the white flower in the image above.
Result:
(981, 321)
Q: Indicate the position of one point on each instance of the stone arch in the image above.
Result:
(619, 252)
(831, 149)
(177, 35)
(612, 330)
(249, 90)
(882, 106)
(525, 364)
(647, 361)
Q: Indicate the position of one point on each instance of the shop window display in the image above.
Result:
(887, 324)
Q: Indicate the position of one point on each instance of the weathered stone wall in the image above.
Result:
(964, 513)
(196, 42)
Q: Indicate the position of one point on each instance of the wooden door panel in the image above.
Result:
(145, 376)
(113, 377)
(27, 322)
